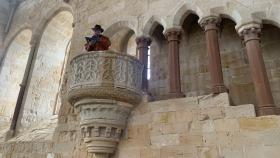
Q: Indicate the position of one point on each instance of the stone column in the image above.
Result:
(173, 36)
(210, 26)
(251, 36)
(23, 86)
(143, 44)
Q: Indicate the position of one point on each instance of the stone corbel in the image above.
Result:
(104, 87)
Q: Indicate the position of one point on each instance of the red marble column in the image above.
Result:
(173, 36)
(251, 35)
(143, 44)
(210, 25)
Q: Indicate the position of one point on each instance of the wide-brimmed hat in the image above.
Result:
(97, 27)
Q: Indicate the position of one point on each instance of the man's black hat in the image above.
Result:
(97, 27)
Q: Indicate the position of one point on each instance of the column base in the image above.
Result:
(265, 110)
(219, 89)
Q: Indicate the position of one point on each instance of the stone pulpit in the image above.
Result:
(104, 87)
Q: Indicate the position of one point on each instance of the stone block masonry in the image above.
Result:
(193, 127)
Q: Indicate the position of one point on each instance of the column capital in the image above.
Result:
(251, 31)
(173, 33)
(143, 41)
(210, 22)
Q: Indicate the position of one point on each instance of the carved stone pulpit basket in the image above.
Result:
(104, 87)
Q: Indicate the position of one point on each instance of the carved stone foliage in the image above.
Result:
(103, 88)
(108, 71)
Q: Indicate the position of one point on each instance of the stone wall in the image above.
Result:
(123, 21)
(4, 12)
(43, 91)
(124, 25)
(194, 127)
(270, 45)
(201, 127)
(12, 71)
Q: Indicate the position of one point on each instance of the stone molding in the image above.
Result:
(251, 31)
(143, 41)
(173, 34)
(104, 87)
(210, 23)
(251, 34)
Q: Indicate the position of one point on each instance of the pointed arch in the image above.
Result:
(183, 12)
(151, 25)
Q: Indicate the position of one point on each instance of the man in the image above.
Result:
(97, 42)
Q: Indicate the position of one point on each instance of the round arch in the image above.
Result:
(116, 27)
(40, 28)
(122, 36)
(12, 71)
(45, 78)
(9, 39)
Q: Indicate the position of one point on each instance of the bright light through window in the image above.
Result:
(149, 65)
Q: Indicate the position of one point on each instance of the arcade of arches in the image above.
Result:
(211, 78)
(42, 96)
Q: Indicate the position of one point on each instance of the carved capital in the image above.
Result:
(210, 23)
(250, 32)
(143, 41)
(173, 34)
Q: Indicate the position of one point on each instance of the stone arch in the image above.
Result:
(270, 39)
(115, 27)
(273, 17)
(183, 12)
(12, 71)
(9, 39)
(193, 58)
(46, 73)
(235, 65)
(237, 13)
(39, 29)
(271, 21)
(223, 12)
(12, 35)
(151, 25)
(122, 36)
(158, 58)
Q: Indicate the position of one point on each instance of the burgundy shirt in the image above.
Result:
(103, 44)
